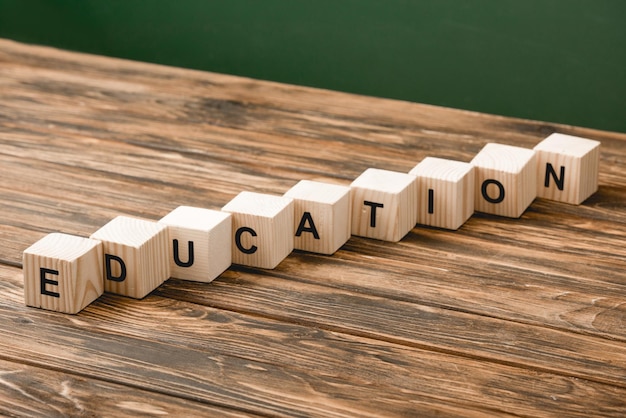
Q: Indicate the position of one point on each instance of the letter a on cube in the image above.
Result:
(135, 256)
(384, 204)
(262, 229)
(63, 273)
(445, 192)
(321, 216)
(506, 180)
(200, 242)
(567, 168)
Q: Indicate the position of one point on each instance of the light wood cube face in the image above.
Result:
(445, 192)
(506, 180)
(63, 273)
(262, 229)
(135, 256)
(321, 216)
(200, 242)
(567, 168)
(384, 204)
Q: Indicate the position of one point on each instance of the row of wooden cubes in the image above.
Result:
(132, 257)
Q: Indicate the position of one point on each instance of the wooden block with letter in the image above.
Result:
(506, 180)
(567, 168)
(262, 229)
(63, 273)
(135, 256)
(384, 204)
(445, 192)
(199, 241)
(321, 216)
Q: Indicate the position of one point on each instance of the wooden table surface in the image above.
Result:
(510, 317)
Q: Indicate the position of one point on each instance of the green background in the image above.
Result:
(552, 60)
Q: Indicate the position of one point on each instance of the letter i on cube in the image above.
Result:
(262, 229)
(445, 192)
(506, 180)
(322, 216)
(63, 273)
(200, 242)
(135, 256)
(384, 204)
(567, 168)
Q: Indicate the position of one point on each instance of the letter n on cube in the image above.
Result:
(567, 168)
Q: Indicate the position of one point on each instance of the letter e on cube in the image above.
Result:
(63, 273)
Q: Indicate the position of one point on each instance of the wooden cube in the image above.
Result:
(262, 229)
(567, 168)
(136, 256)
(63, 273)
(321, 216)
(445, 192)
(384, 204)
(199, 241)
(506, 180)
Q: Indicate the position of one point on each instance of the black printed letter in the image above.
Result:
(44, 281)
(241, 248)
(306, 217)
(431, 201)
(107, 261)
(558, 180)
(177, 260)
(489, 199)
(373, 205)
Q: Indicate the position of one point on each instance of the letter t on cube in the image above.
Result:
(63, 273)
(200, 242)
(322, 216)
(135, 256)
(384, 204)
(567, 168)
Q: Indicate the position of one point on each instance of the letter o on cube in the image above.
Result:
(506, 180)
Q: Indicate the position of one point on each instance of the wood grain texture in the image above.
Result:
(445, 192)
(384, 204)
(27, 390)
(503, 317)
(136, 255)
(567, 168)
(200, 242)
(506, 179)
(262, 229)
(63, 273)
(322, 216)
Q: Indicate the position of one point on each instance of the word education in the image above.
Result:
(132, 256)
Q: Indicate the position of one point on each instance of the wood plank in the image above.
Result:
(530, 308)
(32, 391)
(242, 360)
(533, 347)
(541, 282)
